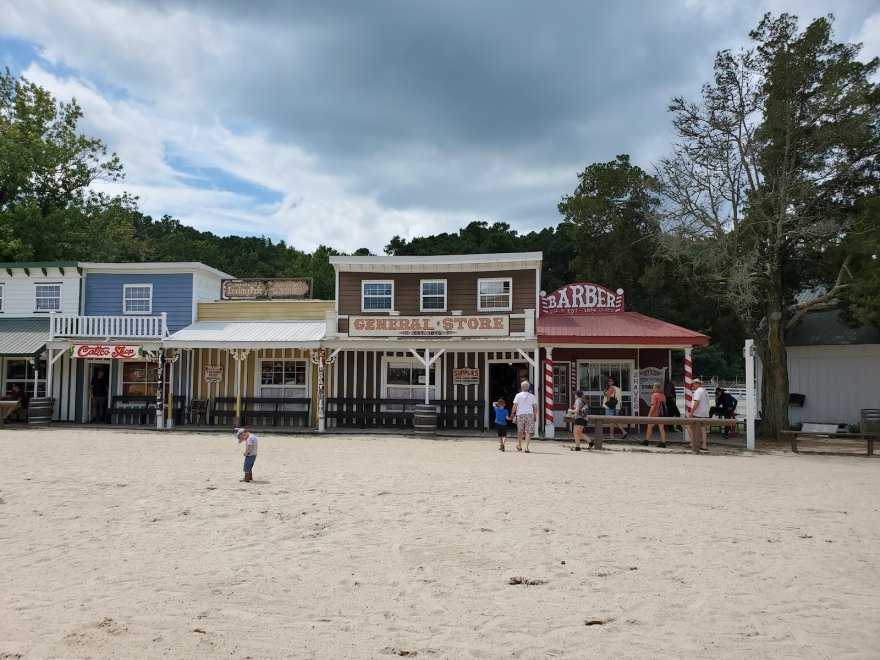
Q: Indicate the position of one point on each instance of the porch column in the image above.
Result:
(549, 428)
(321, 358)
(688, 392)
(239, 355)
(170, 361)
(49, 362)
(751, 398)
(160, 384)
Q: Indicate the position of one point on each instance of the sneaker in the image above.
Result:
(661, 445)
(501, 447)
(645, 442)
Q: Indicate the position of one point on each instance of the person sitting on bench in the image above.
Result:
(15, 394)
(724, 408)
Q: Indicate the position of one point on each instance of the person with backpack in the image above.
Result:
(658, 409)
(724, 408)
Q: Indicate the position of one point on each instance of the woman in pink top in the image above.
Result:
(658, 402)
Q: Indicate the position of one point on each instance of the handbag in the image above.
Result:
(611, 402)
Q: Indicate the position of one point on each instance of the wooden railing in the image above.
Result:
(107, 327)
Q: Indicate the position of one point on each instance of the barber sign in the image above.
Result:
(582, 298)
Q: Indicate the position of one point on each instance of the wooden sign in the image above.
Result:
(105, 351)
(582, 298)
(429, 326)
(465, 376)
(213, 373)
(287, 288)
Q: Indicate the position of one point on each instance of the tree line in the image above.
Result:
(765, 209)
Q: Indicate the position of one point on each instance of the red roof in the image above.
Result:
(614, 329)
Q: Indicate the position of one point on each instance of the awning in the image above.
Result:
(23, 337)
(629, 329)
(249, 334)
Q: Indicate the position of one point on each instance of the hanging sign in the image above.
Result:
(465, 376)
(213, 373)
(105, 351)
(582, 298)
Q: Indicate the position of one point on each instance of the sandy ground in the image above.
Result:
(139, 544)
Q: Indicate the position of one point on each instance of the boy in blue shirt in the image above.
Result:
(501, 418)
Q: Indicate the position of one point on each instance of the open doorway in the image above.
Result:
(504, 380)
(98, 384)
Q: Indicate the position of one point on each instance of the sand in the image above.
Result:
(144, 545)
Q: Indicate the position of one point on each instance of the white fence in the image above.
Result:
(107, 327)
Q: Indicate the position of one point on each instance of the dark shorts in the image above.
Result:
(580, 421)
(249, 463)
(502, 430)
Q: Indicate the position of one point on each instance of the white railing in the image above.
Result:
(107, 327)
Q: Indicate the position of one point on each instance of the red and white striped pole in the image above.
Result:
(688, 391)
(548, 395)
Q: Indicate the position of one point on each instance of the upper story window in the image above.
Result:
(495, 294)
(137, 298)
(433, 298)
(377, 296)
(47, 297)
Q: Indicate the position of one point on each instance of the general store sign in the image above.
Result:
(105, 351)
(429, 326)
(582, 298)
(287, 288)
(213, 373)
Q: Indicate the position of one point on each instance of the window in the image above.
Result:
(592, 377)
(139, 378)
(377, 296)
(284, 378)
(405, 379)
(48, 298)
(433, 296)
(137, 298)
(494, 295)
(21, 372)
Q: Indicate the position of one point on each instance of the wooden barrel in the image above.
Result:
(425, 419)
(40, 410)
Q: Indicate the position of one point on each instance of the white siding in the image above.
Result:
(838, 382)
(19, 291)
(206, 287)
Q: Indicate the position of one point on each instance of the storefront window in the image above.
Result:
(139, 378)
(21, 372)
(406, 380)
(283, 379)
(592, 377)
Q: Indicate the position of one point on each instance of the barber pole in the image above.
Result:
(688, 380)
(548, 395)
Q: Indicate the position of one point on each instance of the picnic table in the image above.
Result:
(601, 420)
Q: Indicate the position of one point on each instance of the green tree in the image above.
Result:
(761, 190)
(47, 169)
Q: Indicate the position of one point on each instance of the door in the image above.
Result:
(504, 380)
(562, 398)
(92, 369)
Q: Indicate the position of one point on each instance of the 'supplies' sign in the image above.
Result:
(465, 376)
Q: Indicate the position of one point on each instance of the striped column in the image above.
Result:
(548, 395)
(573, 366)
(688, 379)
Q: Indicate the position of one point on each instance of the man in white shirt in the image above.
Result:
(250, 451)
(525, 412)
(700, 408)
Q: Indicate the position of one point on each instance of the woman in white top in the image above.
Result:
(612, 394)
(525, 411)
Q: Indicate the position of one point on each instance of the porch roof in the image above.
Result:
(249, 334)
(23, 337)
(615, 329)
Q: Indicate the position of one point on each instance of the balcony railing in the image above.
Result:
(108, 327)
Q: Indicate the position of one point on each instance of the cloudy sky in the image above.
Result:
(346, 122)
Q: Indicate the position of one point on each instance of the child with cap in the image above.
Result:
(250, 451)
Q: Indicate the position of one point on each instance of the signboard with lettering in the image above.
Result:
(429, 326)
(582, 298)
(213, 373)
(465, 376)
(105, 351)
(287, 288)
(644, 379)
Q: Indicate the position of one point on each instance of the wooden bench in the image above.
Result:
(828, 432)
(601, 420)
(261, 408)
(4, 406)
(452, 413)
(132, 409)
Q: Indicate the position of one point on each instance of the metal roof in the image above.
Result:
(617, 329)
(439, 263)
(23, 337)
(249, 334)
(827, 329)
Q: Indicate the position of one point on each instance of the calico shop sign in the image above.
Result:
(582, 298)
(105, 351)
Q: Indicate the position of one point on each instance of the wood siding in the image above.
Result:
(19, 291)
(265, 310)
(461, 290)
